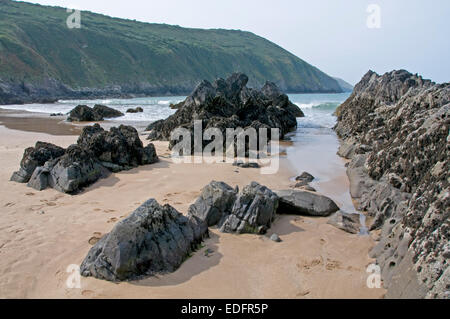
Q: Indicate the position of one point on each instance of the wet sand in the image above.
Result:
(42, 233)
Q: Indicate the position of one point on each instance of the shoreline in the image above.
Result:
(315, 260)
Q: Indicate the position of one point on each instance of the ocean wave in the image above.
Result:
(318, 105)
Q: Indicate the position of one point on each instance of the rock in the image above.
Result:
(347, 222)
(395, 131)
(230, 104)
(74, 170)
(136, 110)
(305, 177)
(241, 164)
(56, 114)
(83, 113)
(253, 211)
(34, 157)
(153, 240)
(305, 203)
(107, 112)
(96, 154)
(275, 238)
(215, 202)
(120, 146)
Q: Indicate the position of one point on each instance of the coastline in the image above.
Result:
(315, 260)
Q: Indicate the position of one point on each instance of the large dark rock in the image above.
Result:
(119, 148)
(135, 110)
(83, 113)
(107, 112)
(215, 202)
(230, 104)
(395, 131)
(154, 239)
(251, 211)
(305, 203)
(96, 154)
(34, 157)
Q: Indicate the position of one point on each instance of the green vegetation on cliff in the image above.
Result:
(36, 45)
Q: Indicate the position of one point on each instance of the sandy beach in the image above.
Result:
(42, 233)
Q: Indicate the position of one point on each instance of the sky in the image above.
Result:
(333, 35)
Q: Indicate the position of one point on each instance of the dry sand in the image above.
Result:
(42, 233)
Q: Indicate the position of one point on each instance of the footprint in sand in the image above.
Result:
(303, 293)
(29, 194)
(87, 293)
(308, 264)
(333, 264)
(97, 209)
(9, 204)
(109, 211)
(112, 220)
(94, 239)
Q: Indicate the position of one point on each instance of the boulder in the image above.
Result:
(215, 202)
(74, 170)
(347, 222)
(107, 112)
(253, 211)
(275, 238)
(83, 113)
(230, 104)
(305, 177)
(135, 110)
(242, 164)
(153, 240)
(34, 157)
(305, 203)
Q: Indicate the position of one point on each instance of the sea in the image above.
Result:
(314, 143)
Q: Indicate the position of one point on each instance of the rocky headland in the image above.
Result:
(395, 130)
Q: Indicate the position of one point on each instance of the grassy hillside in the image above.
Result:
(35, 44)
(346, 87)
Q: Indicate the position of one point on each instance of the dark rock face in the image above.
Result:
(106, 112)
(154, 239)
(34, 157)
(136, 110)
(305, 176)
(345, 221)
(83, 113)
(251, 211)
(119, 149)
(96, 154)
(395, 129)
(305, 203)
(230, 104)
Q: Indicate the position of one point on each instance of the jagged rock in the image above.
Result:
(120, 146)
(106, 112)
(242, 164)
(96, 154)
(153, 240)
(74, 170)
(136, 110)
(253, 211)
(305, 177)
(275, 238)
(345, 221)
(83, 113)
(402, 178)
(230, 104)
(34, 157)
(305, 203)
(215, 202)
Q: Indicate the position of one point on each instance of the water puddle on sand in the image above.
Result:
(313, 150)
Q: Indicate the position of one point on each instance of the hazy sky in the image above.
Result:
(330, 34)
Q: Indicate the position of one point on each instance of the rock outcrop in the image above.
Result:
(83, 113)
(153, 240)
(297, 202)
(395, 128)
(345, 221)
(251, 211)
(230, 104)
(135, 110)
(96, 153)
